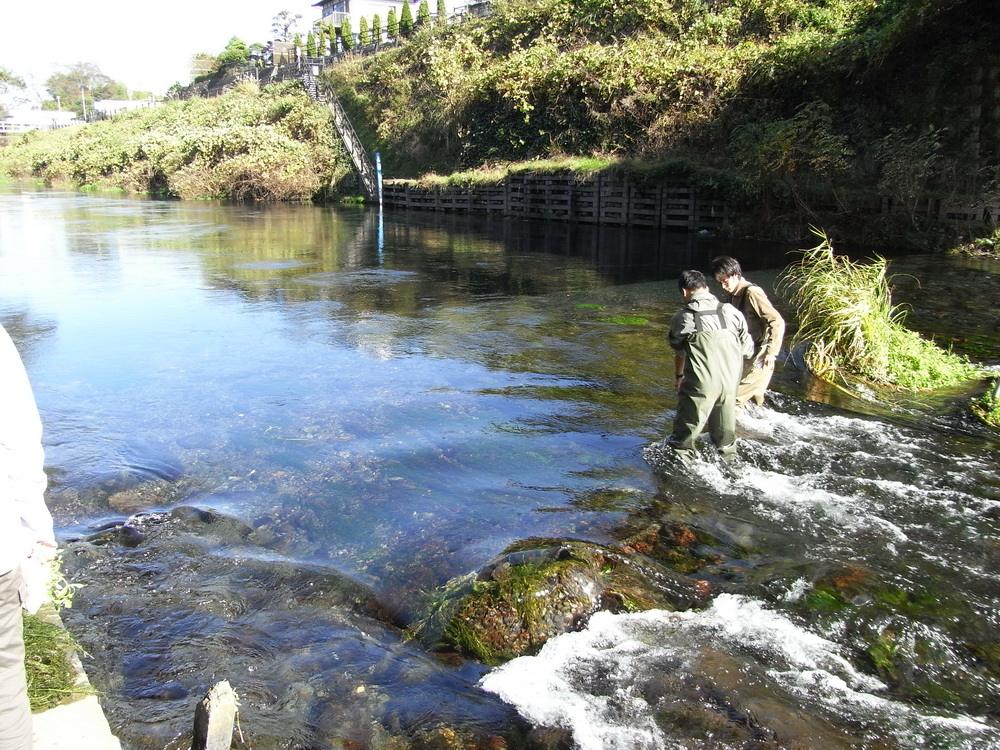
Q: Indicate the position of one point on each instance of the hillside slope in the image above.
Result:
(790, 106)
(248, 144)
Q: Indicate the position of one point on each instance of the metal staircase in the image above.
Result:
(363, 166)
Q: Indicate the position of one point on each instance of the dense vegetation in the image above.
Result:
(794, 106)
(987, 408)
(274, 144)
(845, 312)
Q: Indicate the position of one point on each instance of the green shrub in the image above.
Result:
(248, 144)
(376, 29)
(423, 14)
(845, 314)
(363, 36)
(391, 25)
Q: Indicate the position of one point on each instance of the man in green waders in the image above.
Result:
(711, 342)
(766, 326)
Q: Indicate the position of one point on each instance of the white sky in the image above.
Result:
(145, 45)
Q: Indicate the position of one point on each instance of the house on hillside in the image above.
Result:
(335, 11)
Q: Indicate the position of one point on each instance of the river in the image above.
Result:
(272, 432)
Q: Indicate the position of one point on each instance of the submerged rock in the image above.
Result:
(538, 589)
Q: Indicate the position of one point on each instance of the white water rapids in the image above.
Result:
(845, 485)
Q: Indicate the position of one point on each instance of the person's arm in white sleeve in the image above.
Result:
(22, 459)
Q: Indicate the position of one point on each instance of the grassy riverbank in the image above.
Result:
(799, 110)
(270, 145)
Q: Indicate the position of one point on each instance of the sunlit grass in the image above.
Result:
(987, 408)
(845, 313)
(988, 246)
(494, 174)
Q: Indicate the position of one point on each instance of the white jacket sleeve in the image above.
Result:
(25, 519)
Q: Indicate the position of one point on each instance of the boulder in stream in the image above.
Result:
(537, 589)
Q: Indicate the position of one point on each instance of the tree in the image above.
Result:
(391, 26)
(346, 35)
(406, 19)
(297, 41)
(83, 81)
(363, 36)
(8, 79)
(311, 44)
(283, 25)
(376, 29)
(236, 53)
(423, 14)
(442, 17)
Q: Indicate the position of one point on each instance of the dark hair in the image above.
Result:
(726, 266)
(692, 280)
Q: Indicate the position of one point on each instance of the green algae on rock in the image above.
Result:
(538, 589)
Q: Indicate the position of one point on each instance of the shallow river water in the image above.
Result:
(272, 433)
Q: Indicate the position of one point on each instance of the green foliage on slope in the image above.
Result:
(248, 144)
(794, 98)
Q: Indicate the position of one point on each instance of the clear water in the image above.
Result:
(271, 433)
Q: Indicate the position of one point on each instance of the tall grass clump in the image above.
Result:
(845, 313)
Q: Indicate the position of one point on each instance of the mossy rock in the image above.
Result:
(681, 547)
(538, 589)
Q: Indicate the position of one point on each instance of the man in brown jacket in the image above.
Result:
(767, 327)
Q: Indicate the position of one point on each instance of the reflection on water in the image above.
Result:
(274, 432)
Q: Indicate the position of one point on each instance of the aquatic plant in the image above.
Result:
(988, 246)
(48, 661)
(49, 650)
(845, 313)
(987, 408)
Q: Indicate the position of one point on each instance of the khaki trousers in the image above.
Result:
(754, 383)
(15, 713)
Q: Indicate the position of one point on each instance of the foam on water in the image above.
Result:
(592, 682)
(840, 480)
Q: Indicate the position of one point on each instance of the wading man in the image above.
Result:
(711, 342)
(766, 326)
(26, 539)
